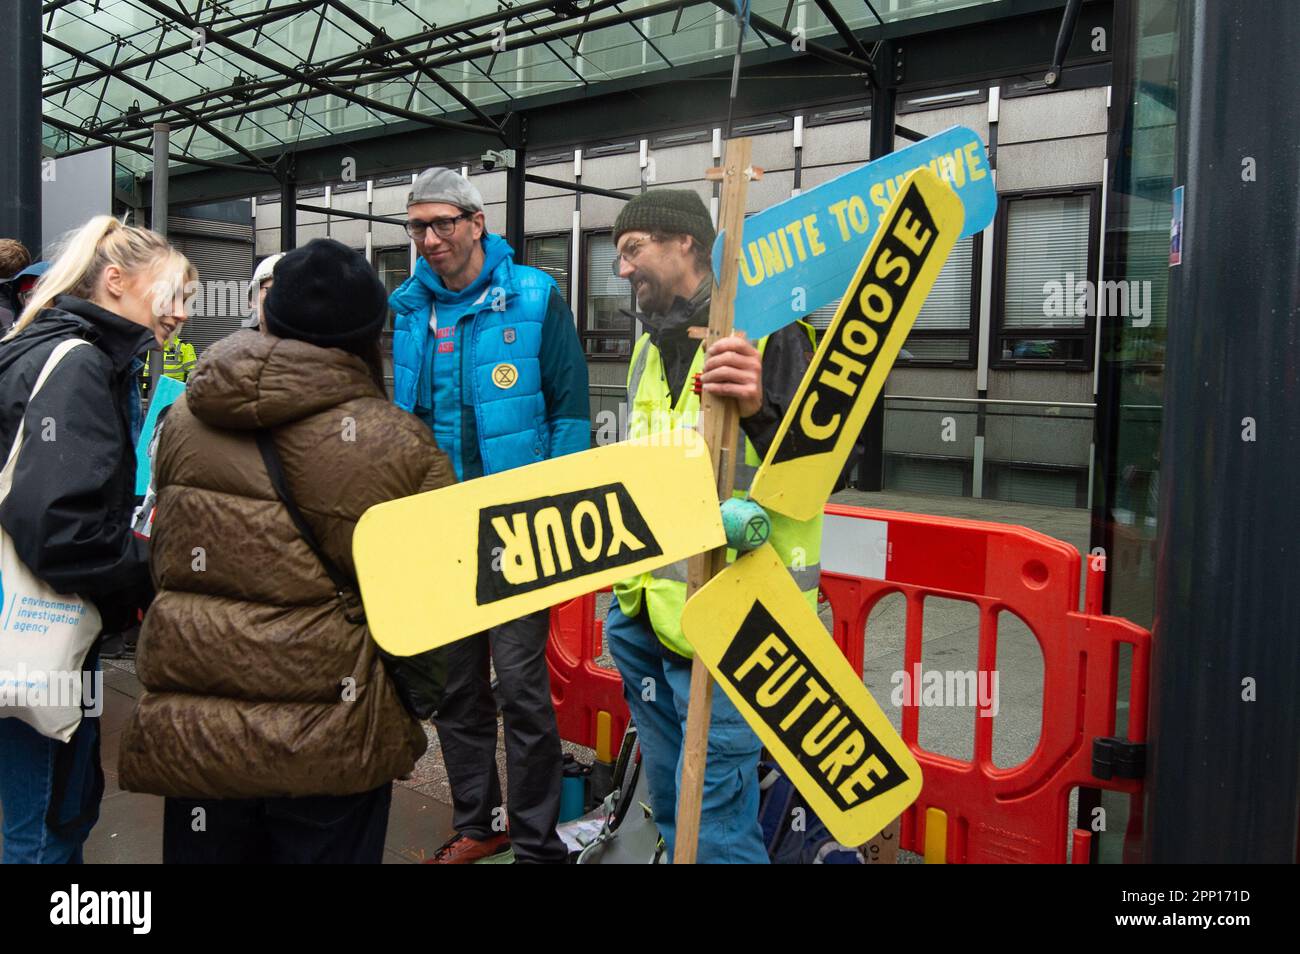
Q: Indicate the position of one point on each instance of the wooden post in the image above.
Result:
(719, 426)
(883, 849)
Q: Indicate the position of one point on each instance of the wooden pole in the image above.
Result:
(719, 426)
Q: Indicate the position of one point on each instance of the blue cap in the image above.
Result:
(35, 269)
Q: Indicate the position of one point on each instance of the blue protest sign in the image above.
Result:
(798, 255)
(165, 394)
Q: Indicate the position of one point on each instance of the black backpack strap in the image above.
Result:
(344, 586)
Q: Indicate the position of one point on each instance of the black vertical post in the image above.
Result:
(1224, 782)
(516, 136)
(288, 204)
(871, 465)
(161, 178)
(20, 120)
(1106, 418)
(158, 212)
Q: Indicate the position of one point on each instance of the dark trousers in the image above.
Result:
(467, 730)
(317, 829)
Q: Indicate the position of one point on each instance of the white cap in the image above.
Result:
(260, 274)
(265, 267)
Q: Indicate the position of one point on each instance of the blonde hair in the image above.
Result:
(84, 254)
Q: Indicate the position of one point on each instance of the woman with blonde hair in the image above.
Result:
(119, 289)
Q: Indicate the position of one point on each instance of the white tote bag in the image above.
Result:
(44, 635)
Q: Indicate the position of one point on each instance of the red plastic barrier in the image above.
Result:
(581, 689)
(1001, 815)
(994, 815)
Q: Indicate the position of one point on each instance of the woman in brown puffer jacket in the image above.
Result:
(262, 704)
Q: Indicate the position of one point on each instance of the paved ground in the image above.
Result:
(130, 824)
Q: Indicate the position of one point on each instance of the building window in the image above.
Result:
(843, 114)
(550, 253)
(943, 333)
(760, 125)
(1046, 250)
(821, 318)
(1041, 486)
(606, 331)
(944, 330)
(941, 99)
(394, 267)
(669, 140)
(915, 474)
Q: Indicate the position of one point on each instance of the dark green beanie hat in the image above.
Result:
(676, 211)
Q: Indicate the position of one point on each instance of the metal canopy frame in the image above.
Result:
(378, 58)
(980, 40)
(238, 39)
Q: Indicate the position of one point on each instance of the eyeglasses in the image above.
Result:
(443, 228)
(629, 253)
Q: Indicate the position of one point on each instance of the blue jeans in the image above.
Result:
(50, 792)
(729, 828)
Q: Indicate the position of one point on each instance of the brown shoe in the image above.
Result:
(464, 850)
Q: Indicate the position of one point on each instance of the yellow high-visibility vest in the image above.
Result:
(652, 411)
(178, 361)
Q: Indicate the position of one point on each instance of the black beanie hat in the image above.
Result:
(676, 211)
(326, 294)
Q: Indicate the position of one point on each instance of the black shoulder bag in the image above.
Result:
(420, 680)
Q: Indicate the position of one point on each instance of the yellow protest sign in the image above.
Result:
(770, 653)
(859, 348)
(439, 566)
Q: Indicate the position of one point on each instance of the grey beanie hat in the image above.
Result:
(445, 185)
(677, 211)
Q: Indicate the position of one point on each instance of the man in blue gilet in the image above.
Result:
(486, 353)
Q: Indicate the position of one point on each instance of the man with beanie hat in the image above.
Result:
(486, 353)
(664, 240)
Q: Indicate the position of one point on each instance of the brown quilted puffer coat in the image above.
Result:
(245, 654)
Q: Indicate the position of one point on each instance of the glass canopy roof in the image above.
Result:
(242, 81)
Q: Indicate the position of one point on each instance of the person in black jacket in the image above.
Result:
(14, 257)
(69, 510)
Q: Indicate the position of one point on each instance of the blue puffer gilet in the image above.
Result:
(512, 424)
